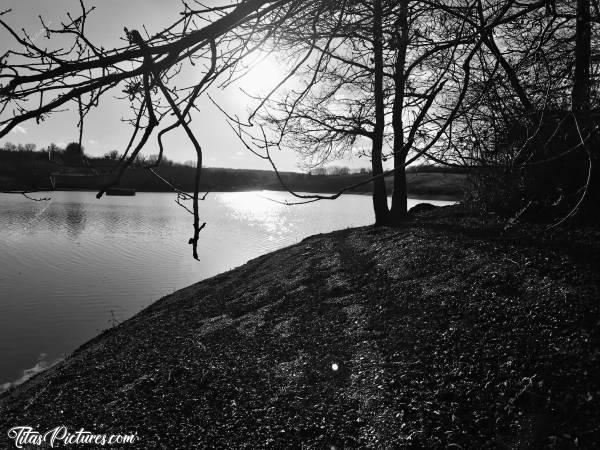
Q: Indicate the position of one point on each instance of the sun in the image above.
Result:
(262, 75)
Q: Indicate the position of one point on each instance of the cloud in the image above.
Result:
(19, 130)
(93, 142)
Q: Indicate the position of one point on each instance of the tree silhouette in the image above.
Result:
(406, 76)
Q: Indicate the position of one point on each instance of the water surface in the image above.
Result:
(73, 266)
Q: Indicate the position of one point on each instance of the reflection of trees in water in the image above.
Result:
(112, 219)
(23, 216)
(56, 218)
(75, 218)
(117, 218)
(161, 222)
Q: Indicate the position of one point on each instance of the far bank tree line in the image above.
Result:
(509, 87)
(31, 169)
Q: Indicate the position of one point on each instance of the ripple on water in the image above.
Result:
(67, 263)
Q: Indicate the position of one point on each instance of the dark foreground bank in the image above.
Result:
(447, 332)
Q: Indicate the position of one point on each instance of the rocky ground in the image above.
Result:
(449, 331)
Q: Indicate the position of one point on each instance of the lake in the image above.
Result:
(74, 266)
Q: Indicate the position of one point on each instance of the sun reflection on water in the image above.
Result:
(261, 209)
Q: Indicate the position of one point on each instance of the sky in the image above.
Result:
(104, 130)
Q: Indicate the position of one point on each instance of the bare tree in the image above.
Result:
(404, 77)
(533, 104)
(36, 81)
(373, 60)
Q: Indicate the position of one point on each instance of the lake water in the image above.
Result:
(73, 266)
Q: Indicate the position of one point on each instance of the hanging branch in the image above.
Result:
(84, 72)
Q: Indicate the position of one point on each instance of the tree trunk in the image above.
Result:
(580, 96)
(399, 195)
(580, 103)
(380, 205)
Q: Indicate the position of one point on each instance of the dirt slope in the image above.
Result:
(446, 333)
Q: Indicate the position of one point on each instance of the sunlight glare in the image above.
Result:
(257, 209)
(262, 75)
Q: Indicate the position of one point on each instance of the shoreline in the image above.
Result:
(413, 196)
(22, 372)
(432, 326)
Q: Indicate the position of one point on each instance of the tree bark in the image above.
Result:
(399, 209)
(399, 195)
(580, 104)
(380, 205)
(580, 96)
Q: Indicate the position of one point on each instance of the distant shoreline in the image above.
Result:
(41, 174)
(422, 196)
